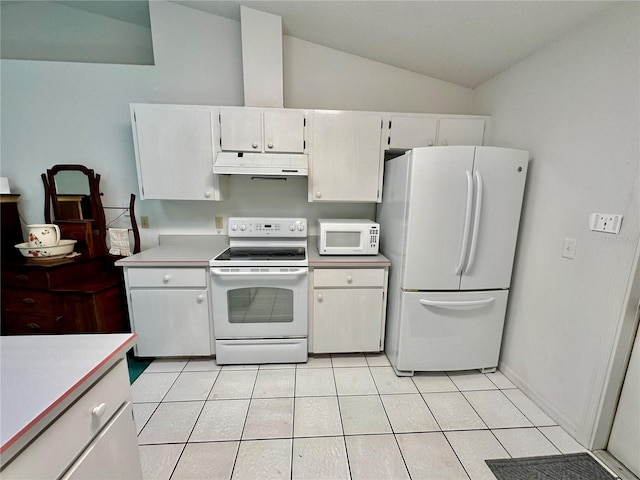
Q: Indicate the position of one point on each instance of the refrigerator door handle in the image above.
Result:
(458, 304)
(467, 223)
(476, 222)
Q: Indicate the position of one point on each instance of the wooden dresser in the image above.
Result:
(79, 295)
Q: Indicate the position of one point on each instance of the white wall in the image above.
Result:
(575, 106)
(57, 112)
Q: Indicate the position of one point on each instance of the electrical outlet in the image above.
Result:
(219, 223)
(144, 221)
(605, 222)
(569, 248)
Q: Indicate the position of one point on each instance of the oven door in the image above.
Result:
(268, 302)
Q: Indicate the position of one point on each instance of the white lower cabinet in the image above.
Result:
(94, 438)
(348, 310)
(113, 454)
(169, 310)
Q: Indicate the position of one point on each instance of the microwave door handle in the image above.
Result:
(467, 224)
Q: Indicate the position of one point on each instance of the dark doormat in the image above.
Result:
(575, 466)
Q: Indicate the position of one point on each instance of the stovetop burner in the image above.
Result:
(262, 253)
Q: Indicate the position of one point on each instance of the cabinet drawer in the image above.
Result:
(167, 277)
(348, 277)
(51, 453)
(29, 301)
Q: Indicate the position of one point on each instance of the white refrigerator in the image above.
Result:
(449, 222)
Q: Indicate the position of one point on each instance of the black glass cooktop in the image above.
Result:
(262, 253)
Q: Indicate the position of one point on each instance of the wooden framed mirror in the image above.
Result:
(72, 200)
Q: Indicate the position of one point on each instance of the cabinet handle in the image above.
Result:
(318, 195)
(99, 410)
(349, 279)
(254, 145)
(59, 318)
(200, 298)
(33, 326)
(430, 143)
(319, 297)
(166, 278)
(23, 278)
(270, 145)
(29, 301)
(207, 194)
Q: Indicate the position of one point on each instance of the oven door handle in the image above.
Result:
(223, 272)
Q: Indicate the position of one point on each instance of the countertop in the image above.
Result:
(197, 250)
(41, 375)
(316, 260)
(179, 251)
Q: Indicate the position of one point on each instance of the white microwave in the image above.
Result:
(344, 236)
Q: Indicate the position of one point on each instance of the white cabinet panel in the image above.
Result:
(347, 157)
(407, 132)
(171, 322)
(347, 320)
(241, 129)
(174, 152)
(283, 131)
(460, 131)
(113, 454)
(245, 129)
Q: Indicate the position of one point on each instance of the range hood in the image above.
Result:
(261, 164)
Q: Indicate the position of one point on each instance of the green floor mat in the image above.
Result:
(137, 366)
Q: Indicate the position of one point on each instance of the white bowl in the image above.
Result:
(65, 247)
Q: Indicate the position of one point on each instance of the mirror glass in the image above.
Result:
(72, 195)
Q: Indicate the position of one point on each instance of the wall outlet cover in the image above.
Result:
(605, 222)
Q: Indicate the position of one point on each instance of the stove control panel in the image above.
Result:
(267, 227)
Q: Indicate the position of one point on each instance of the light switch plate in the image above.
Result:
(569, 248)
(605, 222)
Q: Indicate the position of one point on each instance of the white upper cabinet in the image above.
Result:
(413, 131)
(461, 131)
(246, 129)
(174, 148)
(409, 131)
(346, 160)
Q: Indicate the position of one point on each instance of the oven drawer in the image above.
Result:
(348, 277)
(167, 277)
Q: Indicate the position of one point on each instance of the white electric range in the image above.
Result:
(259, 292)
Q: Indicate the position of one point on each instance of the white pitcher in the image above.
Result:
(43, 235)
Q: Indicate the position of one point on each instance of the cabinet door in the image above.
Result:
(460, 131)
(171, 322)
(346, 158)
(407, 132)
(347, 320)
(174, 152)
(241, 129)
(283, 131)
(113, 454)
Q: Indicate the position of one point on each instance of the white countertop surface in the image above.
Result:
(179, 250)
(40, 375)
(197, 250)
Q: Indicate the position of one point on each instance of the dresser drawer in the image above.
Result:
(348, 277)
(14, 323)
(167, 277)
(29, 301)
(51, 453)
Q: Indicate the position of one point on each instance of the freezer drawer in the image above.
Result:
(450, 331)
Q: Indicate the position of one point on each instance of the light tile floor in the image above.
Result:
(335, 417)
